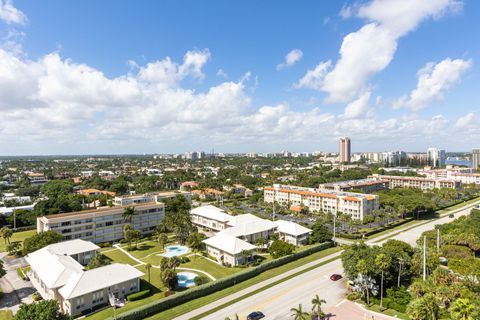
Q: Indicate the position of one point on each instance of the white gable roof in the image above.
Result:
(72, 247)
(211, 212)
(228, 244)
(243, 218)
(291, 228)
(99, 278)
(245, 229)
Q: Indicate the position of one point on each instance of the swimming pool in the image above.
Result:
(173, 251)
(186, 279)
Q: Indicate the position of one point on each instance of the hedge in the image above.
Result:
(21, 274)
(214, 286)
(138, 295)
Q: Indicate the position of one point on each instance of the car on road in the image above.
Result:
(335, 277)
(255, 315)
(451, 216)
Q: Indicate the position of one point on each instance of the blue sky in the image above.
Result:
(171, 76)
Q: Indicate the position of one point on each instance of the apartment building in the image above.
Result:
(475, 159)
(345, 150)
(365, 185)
(424, 184)
(150, 197)
(36, 179)
(102, 225)
(461, 174)
(357, 205)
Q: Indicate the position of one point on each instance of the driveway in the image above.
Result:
(15, 290)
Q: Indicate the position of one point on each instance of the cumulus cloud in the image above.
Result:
(434, 79)
(358, 108)
(370, 49)
(469, 123)
(11, 15)
(290, 59)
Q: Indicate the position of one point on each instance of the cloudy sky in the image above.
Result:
(84, 77)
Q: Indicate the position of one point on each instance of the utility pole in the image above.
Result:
(14, 220)
(334, 227)
(273, 211)
(438, 240)
(424, 258)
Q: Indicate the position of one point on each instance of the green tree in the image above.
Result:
(6, 234)
(148, 266)
(423, 308)
(169, 278)
(128, 214)
(299, 314)
(99, 260)
(177, 218)
(162, 239)
(280, 248)
(195, 242)
(320, 233)
(317, 306)
(40, 240)
(128, 234)
(382, 261)
(14, 248)
(463, 309)
(41, 310)
(2, 269)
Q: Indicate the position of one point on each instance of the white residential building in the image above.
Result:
(57, 272)
(150, 197)
(210, 217)
(102, 225)
(436, 157)
(475, 159)
(228, 249)
(421, 183)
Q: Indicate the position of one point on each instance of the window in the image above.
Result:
(97, 297)
(109, 223)
(80, 302)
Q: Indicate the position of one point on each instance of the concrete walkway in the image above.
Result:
(15, 290)
(140, 262)
(253, 288)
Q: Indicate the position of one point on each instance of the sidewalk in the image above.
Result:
(253, 288)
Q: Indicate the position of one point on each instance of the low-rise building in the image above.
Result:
(150, 197)
(424, 184)
(292, 232)
(57, 272)
(357, 205)
(37, 179)
(102, 225)
(210, 217)
(228, 249)
(365, 185)
(95, 192)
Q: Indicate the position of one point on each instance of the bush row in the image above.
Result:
(355, 236)
(138, 295)
(214, 286)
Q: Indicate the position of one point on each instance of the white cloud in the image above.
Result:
(469, 124)
(313, 79)
(370, 50)
(11, 15)
(222, 74)
(358, 108)
(290, 59)
(433, 81)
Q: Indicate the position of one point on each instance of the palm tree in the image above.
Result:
(6, 233)
(162, 239)
(299, 314)
(148, 266)
(382, 261)
(317, 304)
(245, 255)
(366, 285)
(463, 309)
(128, 214)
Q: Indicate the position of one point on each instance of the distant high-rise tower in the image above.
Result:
(475, 158)
(345, 149)
(436, 157)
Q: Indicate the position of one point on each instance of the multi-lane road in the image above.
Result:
(276, 302)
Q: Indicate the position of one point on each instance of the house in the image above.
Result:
(209, 193)
(292, 232)
(95, 192)
(239, 189)
(228, 249)
(57, 272)
(36, 179)
(188, 185)
(210, 217)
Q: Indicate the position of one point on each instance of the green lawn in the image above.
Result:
(118, 256)
(144, 249)
(216, 270)
(6, 314)
(388, 312)
(17, 236)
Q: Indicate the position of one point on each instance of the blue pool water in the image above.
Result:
(173, 251)
(185, 279)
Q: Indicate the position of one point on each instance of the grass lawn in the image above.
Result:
(120, 257)
(6, 314)
(388, 312)
(144, 249)
(216, 270)
(457, 206)
(17, 236)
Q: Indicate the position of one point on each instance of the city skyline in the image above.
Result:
(194, 81)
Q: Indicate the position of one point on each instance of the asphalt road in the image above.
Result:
(277, 301)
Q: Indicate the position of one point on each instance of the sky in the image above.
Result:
(122, 77)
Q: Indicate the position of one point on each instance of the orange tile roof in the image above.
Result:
(351, 199)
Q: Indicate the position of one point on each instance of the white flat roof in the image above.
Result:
(211, 212)
(228, 243)
(99, 278)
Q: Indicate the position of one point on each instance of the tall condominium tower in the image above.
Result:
(475, 158)
(436, 157)
(345, 149)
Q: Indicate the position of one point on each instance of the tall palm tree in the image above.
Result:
(382, 261)
(6, 233)
(148, 266)
(299, 314)
(463, 309)
(128, 214)
(317, 306)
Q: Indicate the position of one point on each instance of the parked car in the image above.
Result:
(451, 216)
(335, 277)
(255, 315)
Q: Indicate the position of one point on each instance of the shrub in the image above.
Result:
(184, 259)
(36, 296)
(199, 280)
(169, 293)
(138, 295)
(155, 307)
(123, 241)
(105, 244)
(20, 273)
(353, 296)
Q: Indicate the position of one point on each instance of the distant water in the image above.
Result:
(458, 162)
